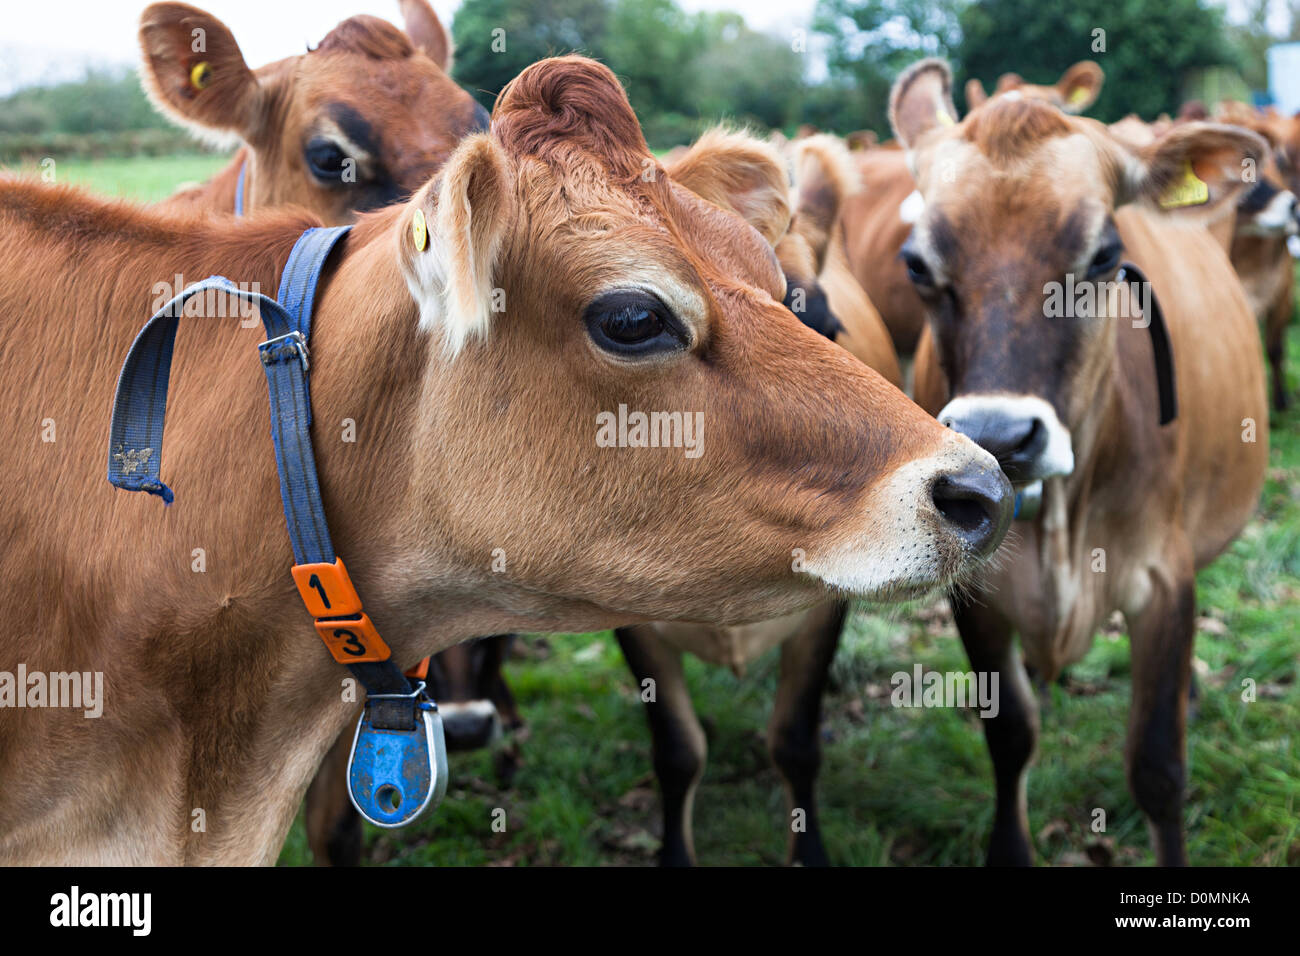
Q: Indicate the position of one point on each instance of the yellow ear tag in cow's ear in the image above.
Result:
(201, 75)
(419, 230)
(1190, 190)
(942, 118)
(1079, 95)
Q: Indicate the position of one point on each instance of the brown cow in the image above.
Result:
(1131, 509)
(477, 431)
(807, 639)
(878, 220)
(1255, 232)
(1266, 218)
(361, 121)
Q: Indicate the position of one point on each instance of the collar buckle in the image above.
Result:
(282, 347)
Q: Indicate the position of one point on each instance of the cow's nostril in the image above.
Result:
(977, 504)
(1032, 436)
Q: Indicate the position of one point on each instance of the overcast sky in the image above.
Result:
(44, 41)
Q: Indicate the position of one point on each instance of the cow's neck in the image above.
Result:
(370, 370)
(1064, 553)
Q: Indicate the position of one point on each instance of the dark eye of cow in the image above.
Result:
(325, 159)
(634, 324)
(1106, 260)
(917, 270)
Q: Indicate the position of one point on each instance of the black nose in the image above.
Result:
(1016, 441)
(977, 504)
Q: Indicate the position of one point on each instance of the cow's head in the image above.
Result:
(621, 409)
(1018, 197)
(800, 228)
(1076, 90)
(361, 121)
(1284, 135)
(468, 682)
(1268, 208)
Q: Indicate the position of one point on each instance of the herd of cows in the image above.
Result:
(1048, 469)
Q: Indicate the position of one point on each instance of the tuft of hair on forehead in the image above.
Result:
(368, 36)
(564, 102)
(1005, 129)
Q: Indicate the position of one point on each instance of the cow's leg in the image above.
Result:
(1162, 635)
(792, 736)
(678, 743)
(1012, 733)
(333, 824)
(1275, 326)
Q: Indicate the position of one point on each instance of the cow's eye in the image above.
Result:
(634, 324)
(917, 270)
(325, 159)
(1106, 260)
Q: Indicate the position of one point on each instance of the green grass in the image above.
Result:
(148, 179)
(897, 786)
(904, 786)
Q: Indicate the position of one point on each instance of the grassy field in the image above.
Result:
(897, 786)
(147, 179)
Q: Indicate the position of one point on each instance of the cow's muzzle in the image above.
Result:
(470, 725)
(1021, 431)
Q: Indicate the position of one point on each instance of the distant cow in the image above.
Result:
(1265, 219)
(477, 433)
(1075, 398)
(360, 121)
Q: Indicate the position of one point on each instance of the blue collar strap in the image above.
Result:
(239, 188)
(399, 758)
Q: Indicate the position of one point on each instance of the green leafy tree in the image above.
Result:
(652, 46)
(871, 42)
(496, 39)
(1150, 49)
(750, 77)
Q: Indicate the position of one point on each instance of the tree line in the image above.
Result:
(685, 70)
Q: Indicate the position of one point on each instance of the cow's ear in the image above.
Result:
(1079, 86)
(427, 32)
(450, 239)
(193, 71)
(1193, 170)
(975, 95)
(824, 177)
(921, 101)
(741, 174)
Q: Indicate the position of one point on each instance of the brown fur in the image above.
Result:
(218, 697)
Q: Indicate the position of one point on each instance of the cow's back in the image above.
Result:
(873, 233)
(1223, 410)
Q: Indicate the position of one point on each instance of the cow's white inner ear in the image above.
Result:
(451, 278)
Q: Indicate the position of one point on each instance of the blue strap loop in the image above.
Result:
(140, 408)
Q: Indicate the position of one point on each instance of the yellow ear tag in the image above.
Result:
(419, 230)
(1188, 191)
(1079, 94)
(942, 118)
(201, 75)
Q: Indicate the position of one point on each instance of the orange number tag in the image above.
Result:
(326, 589)
(353, 641)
